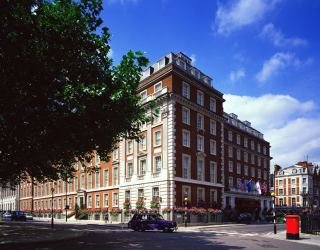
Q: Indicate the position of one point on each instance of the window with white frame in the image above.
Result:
(252, 145)
(200, 97)
(293, 181)
(293, 190)
(156, 118)
(245, 169)
(213, 127)
(129, 147)
(200, 195)
(213, 105)
(200, 121)
(115, 179)
(230, 151)
(98, 200)
(82, 182)
(186, 90)
(245, 142)
(230, 135)
(200, 143)
(115, 200)
(259, 148)
(280, 182)
(89, 180)
(142, 167)
(230, 166)
(157, 138)
(245, 156)
(304, 180)
(157, 164)
(238, 168)
(259, 161)
(185, 138)
(213, 196)
(127, 195)
(213, 172)
(186, 115)
(238, 154)
(200, 169)
(238, 139)
(293, 202)
(231, 184)
(253, 172)
(155, 193)
(252, 159)
(76, 184)
(129, 170)
(97, 179)
(213, 147)
(89, 201)
(106, 177)
(158, 87)
(280, 191)
(140, 193)
(264, 150)
(143, 95)
(186, 165)
(259, 173)
(143, 143)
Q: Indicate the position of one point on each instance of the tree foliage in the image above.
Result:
(60, 95)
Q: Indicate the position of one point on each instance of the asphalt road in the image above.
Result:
(228, 237)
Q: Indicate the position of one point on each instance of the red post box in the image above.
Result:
(292, 227)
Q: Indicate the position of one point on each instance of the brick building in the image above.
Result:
(183, 152)
(298, 185)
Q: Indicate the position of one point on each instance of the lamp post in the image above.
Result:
(185, 209)
(52, 191)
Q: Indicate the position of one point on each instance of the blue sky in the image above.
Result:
(264, 55)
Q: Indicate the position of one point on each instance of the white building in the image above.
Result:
(9, 199)
(297, 185)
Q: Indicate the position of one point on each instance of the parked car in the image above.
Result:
(18, 216)
(6, 215)
(29, 216)
(141, 222)
(244, 218)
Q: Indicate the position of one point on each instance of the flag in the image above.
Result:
(258, 187)
(243, 188)
(249, 186)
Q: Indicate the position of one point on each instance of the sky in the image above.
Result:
(264, 55)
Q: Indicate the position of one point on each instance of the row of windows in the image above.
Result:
(157, 141)
(293, 191)
(186, 169)
(246, 156)
(143, 167)
(186, 191)
(293, 181)
(246, 143)
(93, 181)
(246, 170)
(200, 142)
(200, 121)
(200, 97)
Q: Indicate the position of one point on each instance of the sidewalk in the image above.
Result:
(304, 238)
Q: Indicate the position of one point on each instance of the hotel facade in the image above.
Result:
(183, 152)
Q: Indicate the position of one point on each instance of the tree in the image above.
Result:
(60, 96)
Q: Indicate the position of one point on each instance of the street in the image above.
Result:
(217, 237)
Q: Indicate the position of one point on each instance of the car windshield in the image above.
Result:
(155, 217)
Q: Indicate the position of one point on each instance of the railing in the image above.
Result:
(310, 224)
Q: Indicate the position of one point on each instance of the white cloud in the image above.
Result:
(278, 62)
(194, 59)
(237, 75)
(269, 32)
(285, 123)
(240, 13)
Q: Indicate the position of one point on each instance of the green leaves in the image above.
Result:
(60, 96)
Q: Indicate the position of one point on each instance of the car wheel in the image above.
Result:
(136, 228)
(142, 229)
(165, 229)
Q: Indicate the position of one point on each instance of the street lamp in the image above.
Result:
(52, 191)
(185, 209)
